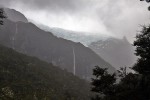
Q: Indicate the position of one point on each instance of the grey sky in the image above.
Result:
(112, 17)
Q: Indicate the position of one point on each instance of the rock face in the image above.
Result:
(29, 39)
(15, 16)
(118, 52)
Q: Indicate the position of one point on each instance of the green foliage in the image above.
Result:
(28, 78)
(108, 89)
(142, 45)
(122, 72)
(148, 1)
(2, 16)
(103, 83)
(132, 86)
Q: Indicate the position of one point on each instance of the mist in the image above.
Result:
(94, 17)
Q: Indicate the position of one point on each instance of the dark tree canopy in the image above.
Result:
(132, 86)
(104, 82)
(2, 16)
(142, 45)
(108, 89)
(148, 1)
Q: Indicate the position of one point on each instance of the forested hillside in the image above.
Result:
(28, 78)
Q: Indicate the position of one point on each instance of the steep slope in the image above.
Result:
(15, 16)
(28, 78)
(29, 39)
(118, 52)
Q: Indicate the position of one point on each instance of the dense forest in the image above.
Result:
(27, 78)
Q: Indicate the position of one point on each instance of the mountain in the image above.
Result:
(118, 52)
(29, 39)
(28, 78)
(15, 16)
(82, 37)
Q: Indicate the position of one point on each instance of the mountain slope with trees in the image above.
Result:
(29, 39)
(28, 78)
(2, 16)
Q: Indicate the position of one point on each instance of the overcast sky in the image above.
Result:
(112, 17)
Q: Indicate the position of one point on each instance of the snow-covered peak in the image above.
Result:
(81, 37)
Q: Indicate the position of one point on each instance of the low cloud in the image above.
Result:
(118, 18)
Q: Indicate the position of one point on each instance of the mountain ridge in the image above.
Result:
(15, 15)
(82, 37)
(118, 52)
(116, 56)
(27, 38)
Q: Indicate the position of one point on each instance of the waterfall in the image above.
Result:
(14, 37)
(74, 62)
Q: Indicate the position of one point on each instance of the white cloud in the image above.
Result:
(119, 17)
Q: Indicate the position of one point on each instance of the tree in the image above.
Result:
(122, 72)
(2, 16)
(142, 45)
(132, 86)
(142, 66)
(103, 83)
(129, 87)
(148, 1)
